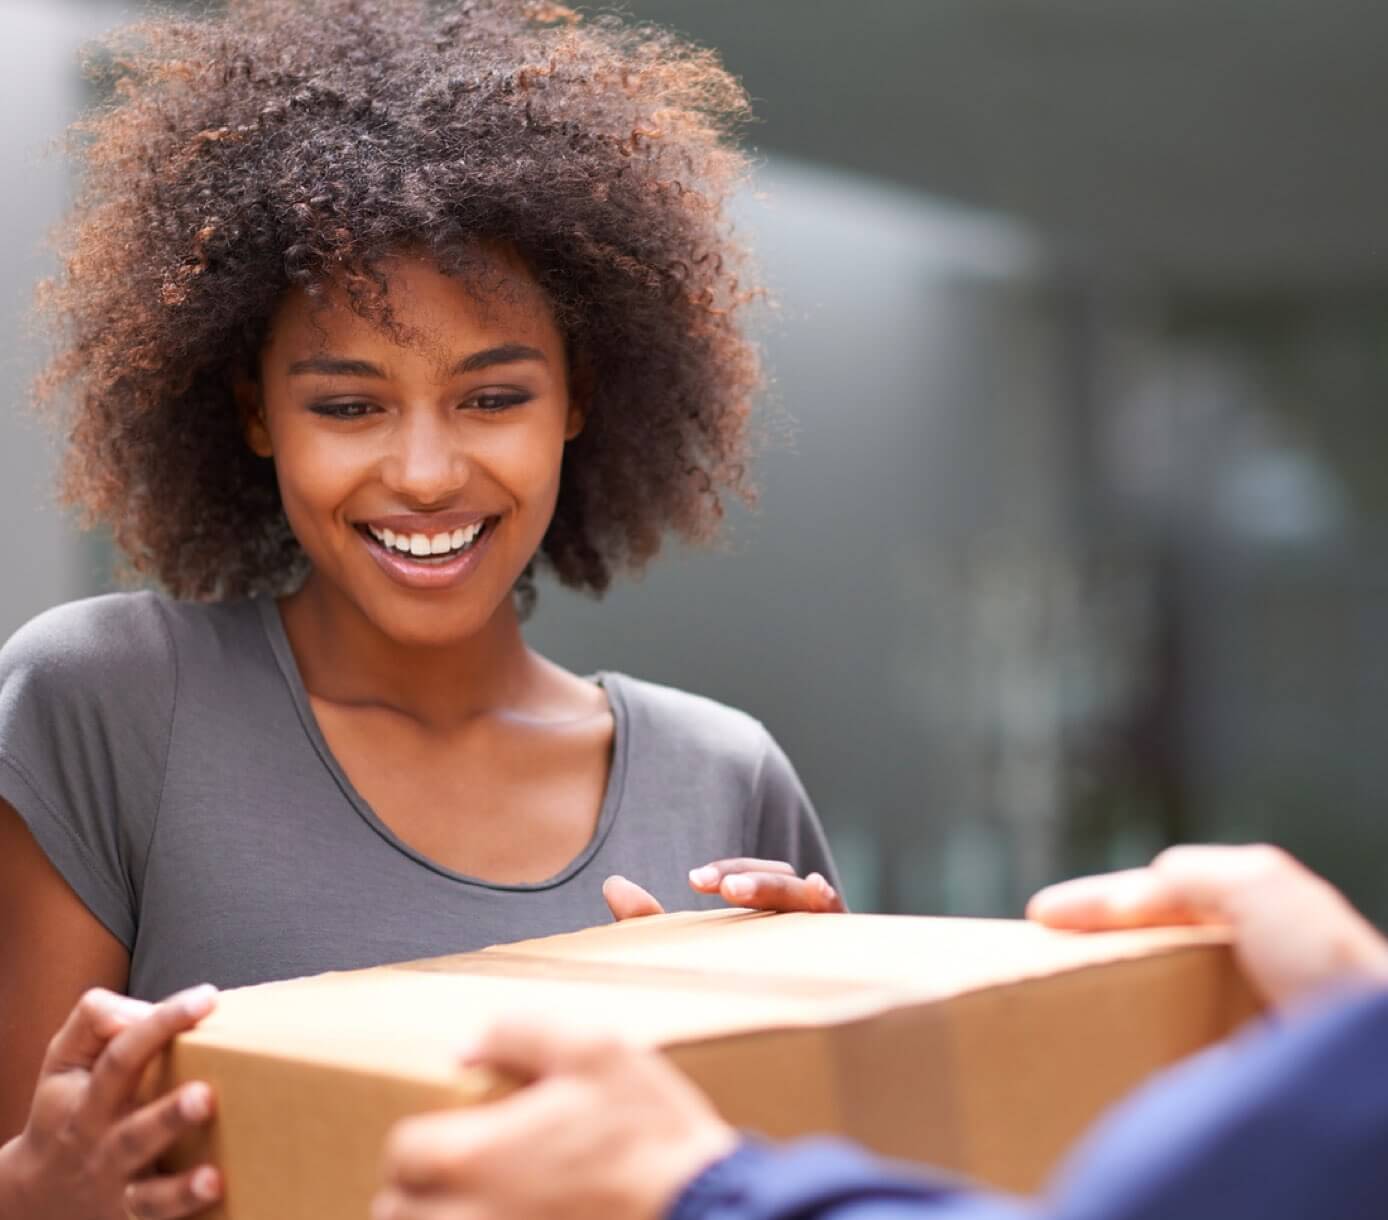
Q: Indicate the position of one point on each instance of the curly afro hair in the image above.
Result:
(293, 143)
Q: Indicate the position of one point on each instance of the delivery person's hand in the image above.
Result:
(604, 1132)
(1295, 934)
(763, 885)
(88, 1145)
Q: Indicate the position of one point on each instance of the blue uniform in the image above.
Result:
(1287, 1123)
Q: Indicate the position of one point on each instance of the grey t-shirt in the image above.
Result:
(166, 759)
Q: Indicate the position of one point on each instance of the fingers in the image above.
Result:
(627, 900)
(433, 1151)
(779, 892)
(118, 1070)
(531, 1049)
(171, 1198)
(398, 1205)
(136, 1142)
(708, 878)
(455, 1151)
(1191, 884)
(765, 885)
(1206, 879)
(97, 1018)
(1134, 898)
(1293, 932)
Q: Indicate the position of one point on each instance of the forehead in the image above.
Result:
(427, 313)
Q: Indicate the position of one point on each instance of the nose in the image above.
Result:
(426, 464)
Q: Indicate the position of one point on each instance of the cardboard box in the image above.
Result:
(982, 1046)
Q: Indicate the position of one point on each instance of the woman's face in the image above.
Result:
(419, 469)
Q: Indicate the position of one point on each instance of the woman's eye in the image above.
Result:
(342, 410)
(491, 401)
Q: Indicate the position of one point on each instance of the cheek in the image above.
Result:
(525, 459)
(316, 474)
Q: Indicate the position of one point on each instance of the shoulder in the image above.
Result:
(87, 699)
(699, 728)
(97, 675)
(700, 736)
(115, 643)
(112, 636)
(699, 759)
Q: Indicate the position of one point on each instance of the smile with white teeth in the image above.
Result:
(428, 546)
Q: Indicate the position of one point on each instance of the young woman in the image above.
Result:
(367, 309)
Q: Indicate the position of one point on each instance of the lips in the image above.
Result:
(429, 558)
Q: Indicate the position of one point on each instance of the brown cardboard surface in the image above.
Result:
(982, 1046)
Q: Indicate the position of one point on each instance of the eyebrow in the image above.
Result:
(505, 353)
(338, 366)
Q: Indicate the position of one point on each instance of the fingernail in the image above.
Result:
(195, 1102)
(198, 1001)
(739, 887)
(829, 891)
(708, 875)
(207, 1183)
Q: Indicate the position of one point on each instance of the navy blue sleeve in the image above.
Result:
(830, 1180)
(1290, 1123)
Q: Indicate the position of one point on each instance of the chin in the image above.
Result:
(447, 622)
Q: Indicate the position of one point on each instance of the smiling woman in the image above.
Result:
(367, 310)
(389, 444)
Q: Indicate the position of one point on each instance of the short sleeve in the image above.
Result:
(785, 822)
(86, 706)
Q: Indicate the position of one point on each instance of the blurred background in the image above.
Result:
(1076, 543)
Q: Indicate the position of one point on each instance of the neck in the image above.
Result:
(343, 657)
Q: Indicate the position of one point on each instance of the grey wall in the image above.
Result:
(923, 379)
(45, 560)
(1203, 141)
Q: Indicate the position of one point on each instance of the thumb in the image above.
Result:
(627, 900)
(527, 1049)
(98, 1017)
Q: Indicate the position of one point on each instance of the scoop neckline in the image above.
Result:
(273, 623)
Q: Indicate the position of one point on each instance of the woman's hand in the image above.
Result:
(87, 1146)
(604, 1132)
(1294, 933)
(763, 885)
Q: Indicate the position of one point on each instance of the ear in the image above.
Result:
(250, 406)
(580, 398)
(577, 418)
